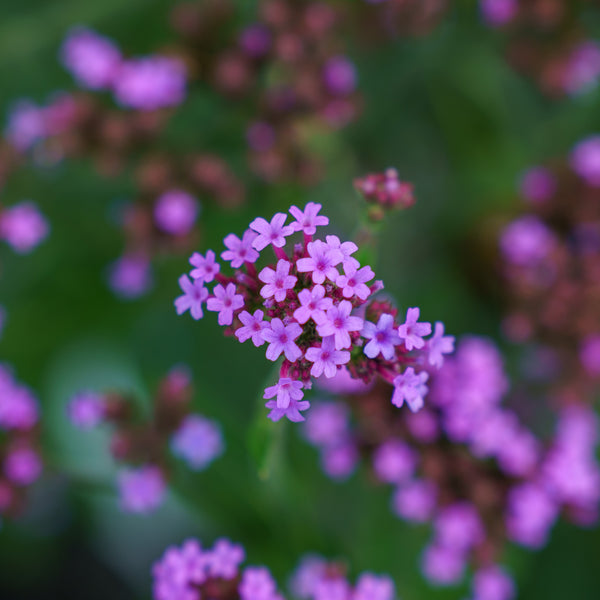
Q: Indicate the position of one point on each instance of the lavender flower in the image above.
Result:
(130, 276)
(86, 410)
(413, 332)
(141, 490)
(23, 227)
(198, 441)
(526, 241)
(175, 212)
(383, 337)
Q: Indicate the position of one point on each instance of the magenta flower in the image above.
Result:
(443, 566)
(22, 466)
(198, 441)
(93, 60)
(86, 410)
(224, 559)
(493, 583)
(526, 241)
(327, 424)
(286, 390)
(347, 249)
(255, 40)
(194, 294)
(439, 345)
(273, 233)
(225, 302)
(240, 251)
(415, 501)
(326, 358)
(281, 340)
(353, 282)
(23, 227)
(321, 262)
(497, 13)
(459, 527)
(26, 125)
(292, 412)
(253, 326)
(206, 267)
(313, 305)
(585, 160)
(412, 332)
(411, 387)
(141, 490)
(374, 587)
(257, 584)
(340, 460)
(277, 282)
(339, 323)
(175, 212)
(383, 337)
(339, 75)
(130, 276)
(394, 461)
(309, 219)
(537, 185)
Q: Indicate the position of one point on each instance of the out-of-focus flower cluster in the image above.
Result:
(547, 41)
(317, 317)
(191, 572)
(466, 464)
(550, 257)
(20, 460)
(144, 445)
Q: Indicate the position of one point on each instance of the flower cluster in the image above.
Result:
(384, 191)
(190, 437)
(464, 460)
(191, 572)
(311, 314)
(20, 460)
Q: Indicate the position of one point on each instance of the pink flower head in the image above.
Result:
(150, 83)
(410, 386)
(327, 424)
(93, 60)
(459, 527)
(253, 326)
(255, 40)
(383, 337)
(353, 282)
(339, 323)
(309, 219)
(585, 160)
(493, 583)
(18, 406)
(394, 461)
(141, 490)
(194, 295)
(292, 412)
(273, 233)
(175, 212)
(438, 345)
(240, 251)
(257, 584)
(286, 391)
(537, 185)
(23, 227)
(415, 501)
(277, 282)
(339, 75)
(206, 267)
(497, 13)
(412, 332)
(198, 441)
(26, 125)
(224, 559)
(225, 301)
(326, 358)
(130, 276)
(22, 465)
(347, 249)
(443, 566)
(526, 241)
(374, 587)
(86, 410)
(281, 340)
(313, 305)
(321, 262)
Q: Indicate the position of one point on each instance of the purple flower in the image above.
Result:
(194, 294)
(347, 249)
(327, 424)
(394, 461)
(412, 332)
(537, 185)
(273, 233)
(257, 584)
(240, 251)
(281, 340)
(458, 527)
(339, 323)
(286, 390)
(225, 302)
(175, 212)
(374, 587)
(18, 406)
(321, 262)
(292, 412)
(443, 566)
(141, 490)
(415, 501)
(583, 68)
(339, 460)
(309, 219)
(277, 282)
(497, 13)
(26, 125)
(22, 465)
(410, 386)
(308, 574)
(253, 326)
(86, 410)
(339, 75)
(313, 305)
(150, 83)
(93, 60)
(493, 583)
(383, 337)
(130, 276)
(206, 267)
(438, 345)
(326, 358)
(526, 241)
(198, 441)
(353, 282)
(585, 160)
(225, 558)
(23, 227)
(255, 40)
(328, 588)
